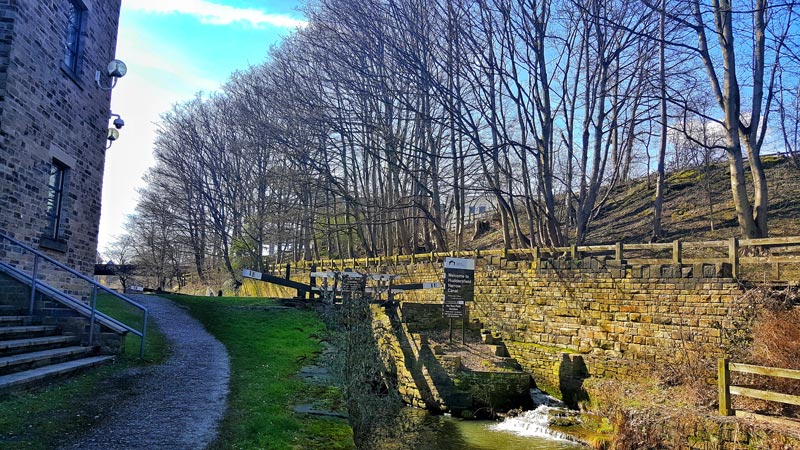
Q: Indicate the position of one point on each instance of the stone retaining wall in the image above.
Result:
(565, 320)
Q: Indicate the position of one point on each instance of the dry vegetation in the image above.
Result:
(764, 330)
(775, 343)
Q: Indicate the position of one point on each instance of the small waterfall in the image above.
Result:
(535, 423)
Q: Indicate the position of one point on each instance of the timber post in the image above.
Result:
(733, 255)
(677, 250)
(723, 385)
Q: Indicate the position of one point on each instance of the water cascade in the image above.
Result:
(535, 423)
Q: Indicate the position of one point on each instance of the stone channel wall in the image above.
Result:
(566, 320)
(440, 382)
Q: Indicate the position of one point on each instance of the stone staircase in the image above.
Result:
(494, 341)
(33, 352)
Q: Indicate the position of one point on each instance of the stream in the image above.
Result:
(528, 431)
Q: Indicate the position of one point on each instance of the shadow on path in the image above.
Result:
(176, 405)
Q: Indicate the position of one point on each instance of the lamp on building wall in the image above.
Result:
(116, 69)
(113, 133)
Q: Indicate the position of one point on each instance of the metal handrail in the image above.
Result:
(95, 286)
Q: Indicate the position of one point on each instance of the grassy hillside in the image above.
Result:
(627, 215)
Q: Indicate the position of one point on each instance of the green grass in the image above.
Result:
(155, 345)
(267, 348)
(44, 417)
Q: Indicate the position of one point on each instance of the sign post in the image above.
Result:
(459, 288)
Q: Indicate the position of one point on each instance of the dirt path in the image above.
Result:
(177, 405)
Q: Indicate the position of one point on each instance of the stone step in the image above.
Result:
(33, 376)
(57, 312)
(17, 332)
(9, 310)
(498, 350)
(13, 320)
(32, 360)
(16, 346)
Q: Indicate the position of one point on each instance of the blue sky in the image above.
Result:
(174, 49)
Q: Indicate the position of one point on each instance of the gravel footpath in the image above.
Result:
(177, 405)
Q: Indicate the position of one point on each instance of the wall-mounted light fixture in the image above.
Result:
(113, 133)
(116, 69)
(118, 122)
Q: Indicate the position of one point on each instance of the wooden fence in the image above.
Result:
(772, 253)
(724, 369)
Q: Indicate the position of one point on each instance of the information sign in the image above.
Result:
(353, 282)
(459, 286)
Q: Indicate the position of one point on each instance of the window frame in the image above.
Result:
(56, 188)
(74, 38)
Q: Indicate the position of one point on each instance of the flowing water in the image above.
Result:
(528, 431)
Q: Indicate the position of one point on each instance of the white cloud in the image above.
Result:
(155, 81)
(214, 13)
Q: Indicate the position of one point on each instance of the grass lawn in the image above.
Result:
(267, 348)
(45, 417)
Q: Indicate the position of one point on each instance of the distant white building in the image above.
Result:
(479, 207)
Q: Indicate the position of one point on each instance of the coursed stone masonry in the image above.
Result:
(48, 113)
(565, 320)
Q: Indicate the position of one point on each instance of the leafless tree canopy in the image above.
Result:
(374, 129)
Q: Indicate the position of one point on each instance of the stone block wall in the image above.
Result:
(49, 312)
(566, 320)
(401, 367)
(47, 113)
(14, 294)
(422, 316)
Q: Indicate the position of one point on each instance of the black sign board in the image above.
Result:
(353, 282)
(453, 310)
(459, 286)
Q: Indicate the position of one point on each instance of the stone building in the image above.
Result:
(54, 122)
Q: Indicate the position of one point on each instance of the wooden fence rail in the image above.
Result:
(774, 251)
(724, 369)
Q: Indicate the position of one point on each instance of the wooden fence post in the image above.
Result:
(677, 250)
(733, 256)
(618, 248)
(723, 385)
(573, 251)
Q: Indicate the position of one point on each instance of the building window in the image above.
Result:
(76, 13)
(55, 197)
(481, 209)
(472, 210)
